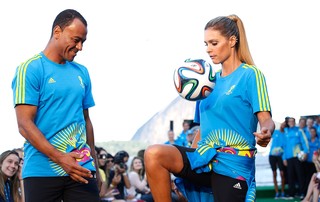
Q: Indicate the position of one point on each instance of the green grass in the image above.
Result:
(278, 200)
(266, 194)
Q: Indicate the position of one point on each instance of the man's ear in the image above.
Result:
(57, 31)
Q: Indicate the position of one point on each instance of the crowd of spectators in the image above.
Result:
(294, 151)
(124, 178)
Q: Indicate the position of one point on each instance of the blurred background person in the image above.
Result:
(313, 187)
(309, 166)
(317, 124)
(191, 134)
(9, 177)
(275, 159)
(140, 153)
(21, 156)
(138, 180)
(182, 137)
(309, 125)
(118, 177)
(296, 141)
(303, 123)
(171, 138)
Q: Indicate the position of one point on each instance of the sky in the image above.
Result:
(133, 47)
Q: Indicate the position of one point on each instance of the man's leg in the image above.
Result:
(39, 189)
(80, 192)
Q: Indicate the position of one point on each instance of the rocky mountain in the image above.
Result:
(156, 128)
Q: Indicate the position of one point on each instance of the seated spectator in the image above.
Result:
(109, 164)
(138, 180)
(141, 154)
(313, 188)
(21, 156)
(118, 178)
(101, 155)
(9, 179)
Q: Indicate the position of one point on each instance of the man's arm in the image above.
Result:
(91, 143)
(27, 128)
(266, 128)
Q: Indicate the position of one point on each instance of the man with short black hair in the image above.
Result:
(52, 97)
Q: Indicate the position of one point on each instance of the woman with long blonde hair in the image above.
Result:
(224, 157)
(139, 184)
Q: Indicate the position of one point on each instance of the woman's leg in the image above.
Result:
(275, 182)
(160, 161)
(283, 181)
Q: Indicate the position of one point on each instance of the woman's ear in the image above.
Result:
(233, 41)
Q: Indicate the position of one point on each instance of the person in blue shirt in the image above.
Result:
(317, 123)
(191, 135)
(52, 96)
(182, 137)
(275, 159)
(309, 125)
(296, 142)
(171, 139)
(224, 158)
(309, 167)
(303, 124)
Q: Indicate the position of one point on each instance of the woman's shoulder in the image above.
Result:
(133, 173)
(250, 69)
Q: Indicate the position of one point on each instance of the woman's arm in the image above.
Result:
(266, 128)
(136, 182)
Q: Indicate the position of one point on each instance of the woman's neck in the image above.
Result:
(230, 65)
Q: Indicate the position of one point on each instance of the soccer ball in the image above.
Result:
(194, 79)
(302, 156)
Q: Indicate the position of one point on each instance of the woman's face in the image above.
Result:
(291, 122)
(10, 165)
(137, 164)
(102, 158)
(218, 46)
(313, 133)
(109, 163)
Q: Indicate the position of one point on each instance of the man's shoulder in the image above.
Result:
(78, 65)
(32, 62)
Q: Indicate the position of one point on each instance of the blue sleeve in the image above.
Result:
(26, 84)
(257, 91)
(284, 147)
(284, 153)
(88, 100)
